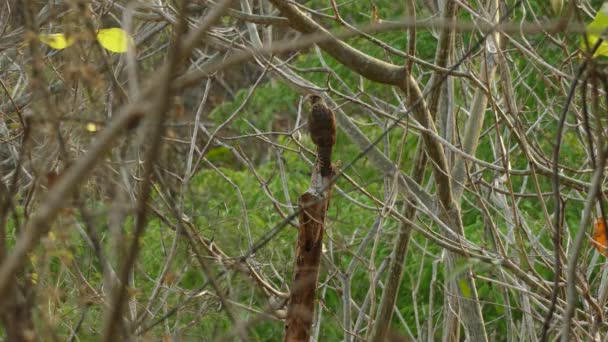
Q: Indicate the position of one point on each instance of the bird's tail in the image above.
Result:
(324, 160)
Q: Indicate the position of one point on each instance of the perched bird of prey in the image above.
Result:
(322, 128)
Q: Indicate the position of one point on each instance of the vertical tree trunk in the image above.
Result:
(313, 207)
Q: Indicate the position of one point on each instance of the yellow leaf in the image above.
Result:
(114, 39)
(92, 127)
(464, 287)
(56, 40)
(597, 27)
(602, 50)
(600, 22)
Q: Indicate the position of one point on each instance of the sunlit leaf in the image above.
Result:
(57, 41)
(464, 287)
(599, 24)
(600, 239)
(92, 127)
(114, 39)
(602, 50)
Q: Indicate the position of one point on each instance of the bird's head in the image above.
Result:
(313, 99)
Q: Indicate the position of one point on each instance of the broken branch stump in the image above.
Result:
(313, 208)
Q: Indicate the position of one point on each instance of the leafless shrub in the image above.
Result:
(471, 175)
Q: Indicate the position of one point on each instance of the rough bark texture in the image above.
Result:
(301, 306)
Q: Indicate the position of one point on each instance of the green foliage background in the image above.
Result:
(215, 208)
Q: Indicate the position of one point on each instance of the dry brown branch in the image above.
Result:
(300, 309)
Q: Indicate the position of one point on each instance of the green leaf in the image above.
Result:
(597, 27)
(464, 288)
